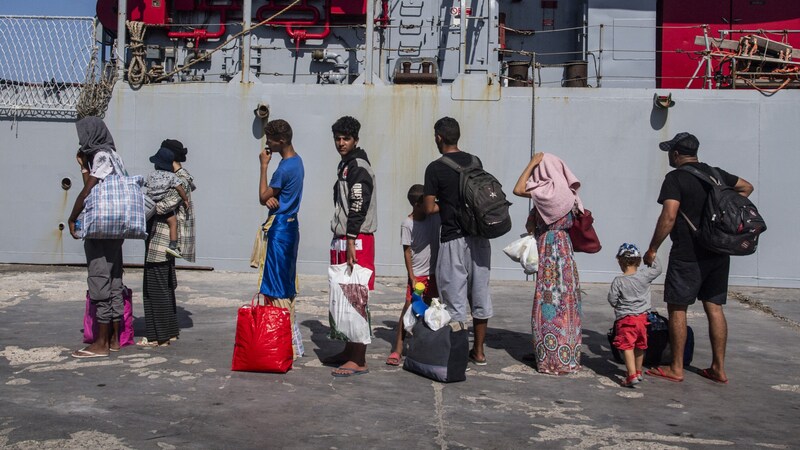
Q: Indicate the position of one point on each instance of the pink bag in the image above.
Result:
(126, 330)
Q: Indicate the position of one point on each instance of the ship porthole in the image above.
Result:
(66, 183)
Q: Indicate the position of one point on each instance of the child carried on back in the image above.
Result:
(159, 183)
(630, 297)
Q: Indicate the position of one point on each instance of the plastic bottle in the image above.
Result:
(418, 305)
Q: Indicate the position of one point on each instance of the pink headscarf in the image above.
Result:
(554, 188)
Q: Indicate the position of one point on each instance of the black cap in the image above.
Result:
(683, 143)
(177, 149)
(163, 159)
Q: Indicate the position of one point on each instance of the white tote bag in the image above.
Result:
(349, 303)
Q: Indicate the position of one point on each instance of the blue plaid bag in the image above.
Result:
(115, 208)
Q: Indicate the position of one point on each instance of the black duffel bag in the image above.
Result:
(440, 355)
(658, 350)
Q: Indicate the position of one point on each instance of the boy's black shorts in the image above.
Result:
(705, 280)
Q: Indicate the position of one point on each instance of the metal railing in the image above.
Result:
(43, 64)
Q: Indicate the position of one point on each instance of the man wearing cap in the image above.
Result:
(693, 271)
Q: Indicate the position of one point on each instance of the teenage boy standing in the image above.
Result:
(355, 220)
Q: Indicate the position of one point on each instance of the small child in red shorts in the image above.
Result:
(630, 297)
(419, 235)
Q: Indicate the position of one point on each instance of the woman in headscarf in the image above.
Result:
(98, 159)
(556, 315)
(159, 278)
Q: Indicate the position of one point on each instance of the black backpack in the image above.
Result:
(730, 223)
(484, 208)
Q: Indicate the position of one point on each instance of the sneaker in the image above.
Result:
(175, 252)
(639, 375)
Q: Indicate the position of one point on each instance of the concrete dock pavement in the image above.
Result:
(185, 396)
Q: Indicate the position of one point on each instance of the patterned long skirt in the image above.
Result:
(158, 297)
(556, 316)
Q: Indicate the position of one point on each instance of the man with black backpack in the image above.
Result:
(464, 260)
(694, 271)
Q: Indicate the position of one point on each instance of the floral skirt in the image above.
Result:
(556, 316)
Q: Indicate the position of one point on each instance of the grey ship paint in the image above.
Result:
(607, 132)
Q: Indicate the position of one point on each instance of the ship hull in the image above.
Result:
(607, 136)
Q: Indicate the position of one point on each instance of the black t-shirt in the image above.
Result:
(691, 193)
(442, 182)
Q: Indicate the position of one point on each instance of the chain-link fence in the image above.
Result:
(43, 64)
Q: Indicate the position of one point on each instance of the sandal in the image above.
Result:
(631, 381)
(150, 344)
(394, 359)
(476, 361)
(84, 353)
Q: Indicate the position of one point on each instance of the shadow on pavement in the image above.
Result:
(184, 321)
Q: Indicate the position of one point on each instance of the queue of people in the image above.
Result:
(449, 262)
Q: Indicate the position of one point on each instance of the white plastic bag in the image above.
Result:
(524, 251)
(436, 316)
(349, 303)
(409, 319)
(530, 258)
(516, 249)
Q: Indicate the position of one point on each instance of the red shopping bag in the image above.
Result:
(126, 328)
(263, 338)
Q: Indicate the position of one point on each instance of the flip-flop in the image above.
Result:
(394, 359)
(348, 372)
(476, 361)
(707, 373)
(659, 373)
(85, 354)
